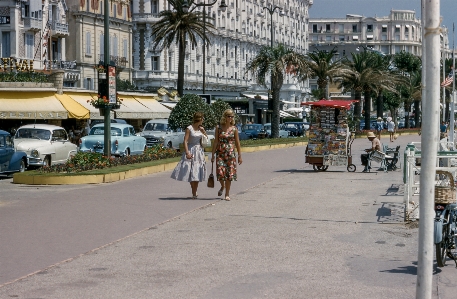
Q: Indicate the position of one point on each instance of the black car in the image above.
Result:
(294, 128)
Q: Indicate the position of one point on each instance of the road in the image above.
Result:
(289, 232)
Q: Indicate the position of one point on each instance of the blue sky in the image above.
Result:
(381, 8)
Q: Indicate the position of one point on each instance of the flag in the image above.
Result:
(448, 81)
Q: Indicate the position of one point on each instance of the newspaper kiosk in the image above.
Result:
(329, 137)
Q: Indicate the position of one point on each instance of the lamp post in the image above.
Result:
(185, 7)
(107, 120)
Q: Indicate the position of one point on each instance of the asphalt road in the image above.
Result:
(289, 232)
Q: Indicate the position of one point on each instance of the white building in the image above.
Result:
(33, 32)
(400, 31)
(240, 32)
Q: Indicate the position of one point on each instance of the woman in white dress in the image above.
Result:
(192, 167)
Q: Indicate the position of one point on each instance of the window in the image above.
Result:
(88, 84)
(115, 10)
(88, 5)
(29, 42)
(6, 44)
(370, 28)
(384, 37)
(355, 37)
(341, 38)
(114, 46)
(315, 38)
(369, 36)
(327, 27)
(155, 63)
(406, 29)
(354, 28)
(102, 46)
(154, 6)
(397, 28)
(328, 38)
(25, 10)
(125, 49)
(170, 62)
(397, 37)
(314, 28)
(88, 41)
(341, 28)
(384, 28)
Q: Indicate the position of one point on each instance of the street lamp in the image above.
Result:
(185, 8)
(271, 11)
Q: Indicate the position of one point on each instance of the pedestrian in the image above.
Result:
(192, 166)
(375, 146)
(379, 126)
(443, 130)
(224, 148)
(391, 128)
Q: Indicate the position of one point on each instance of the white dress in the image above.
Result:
(192, 170)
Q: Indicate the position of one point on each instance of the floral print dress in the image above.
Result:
(226, 158)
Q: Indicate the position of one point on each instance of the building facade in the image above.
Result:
(33, 34)
(240, 32)
(86, 23)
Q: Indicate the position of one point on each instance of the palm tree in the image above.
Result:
(177, 26)
(323, 65)
(275, 61)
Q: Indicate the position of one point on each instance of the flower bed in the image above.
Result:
(90, 161)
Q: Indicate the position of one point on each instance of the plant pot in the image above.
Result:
(116, 107)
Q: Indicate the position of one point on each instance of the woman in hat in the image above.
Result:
(379, 126)
(375, 146)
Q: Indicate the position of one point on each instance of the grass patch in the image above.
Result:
(271, 141)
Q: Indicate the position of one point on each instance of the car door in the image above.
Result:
(136, 140)
(6, 152)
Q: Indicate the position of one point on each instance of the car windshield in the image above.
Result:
(101, 131)
(251, 127)
(32, 133)
(290, 126)
(156, 127)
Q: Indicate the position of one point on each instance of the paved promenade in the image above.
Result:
(297, 234)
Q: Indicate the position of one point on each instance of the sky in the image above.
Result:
(380, 8)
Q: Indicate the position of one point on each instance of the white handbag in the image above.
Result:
(205, 141)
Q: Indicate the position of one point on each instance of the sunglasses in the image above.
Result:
(230, 116)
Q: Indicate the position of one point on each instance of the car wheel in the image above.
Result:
(169, 145)
(22, 166)
(127, 152)
(47, 161)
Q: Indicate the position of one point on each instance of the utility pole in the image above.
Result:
(429, 140)
(106, 62)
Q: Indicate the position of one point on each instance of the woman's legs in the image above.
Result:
(219, 193)
(391, 136)
(227, 189)
(194, 186)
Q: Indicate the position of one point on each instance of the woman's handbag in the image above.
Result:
(211, 177)
(205, 141)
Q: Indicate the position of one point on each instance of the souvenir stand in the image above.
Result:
(329, 137)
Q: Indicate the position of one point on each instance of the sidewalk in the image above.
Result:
(303, 234)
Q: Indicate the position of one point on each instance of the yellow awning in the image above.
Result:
(30, 105)
(82, 98)
(157, 109)
(133, 109)
(75, 109)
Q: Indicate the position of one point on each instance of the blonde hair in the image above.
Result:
(228, 112)
(198, 116)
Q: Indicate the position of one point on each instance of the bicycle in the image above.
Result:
(445, 233)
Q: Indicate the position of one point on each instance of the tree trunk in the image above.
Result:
(181, 57)
(276, 88)
(358, 98)
(407, 111)
(367, 108)
(417, 113)
(380, 105)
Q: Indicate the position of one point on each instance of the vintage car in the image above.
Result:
(282, 133)
(157, 131)
(124, 141)
(252, 130)
(10, 160)
(294, 128)
(44, 144)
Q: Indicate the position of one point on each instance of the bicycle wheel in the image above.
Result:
(441, 247)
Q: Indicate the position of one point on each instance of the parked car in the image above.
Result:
(101, 121)
(372, 124)
(252, 130)
(294, 128)
(10, 160)
(306, 126)
(44, 144)
(401, 123)
(282, 133)
(157, 131)
(124, 141)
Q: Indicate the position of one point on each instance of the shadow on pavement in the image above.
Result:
(402, 270)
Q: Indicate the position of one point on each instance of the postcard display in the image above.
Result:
(328, 136)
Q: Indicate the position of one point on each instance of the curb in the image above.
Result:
(122, 175)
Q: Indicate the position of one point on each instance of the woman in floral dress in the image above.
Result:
(224, 145)
(192, 166)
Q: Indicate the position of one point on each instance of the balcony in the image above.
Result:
(143, 18)
(120, 62)
(33, 24)
(59, 29)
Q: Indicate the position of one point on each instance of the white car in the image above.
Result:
(157, 131)
(44, 144)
